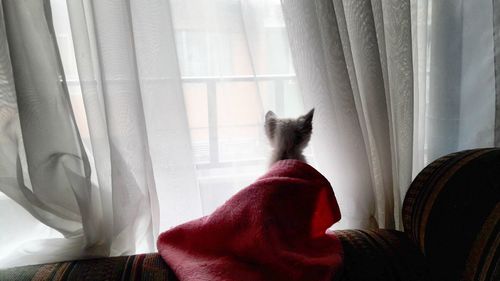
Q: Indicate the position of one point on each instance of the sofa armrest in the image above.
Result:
(452, 212)
(384, 255)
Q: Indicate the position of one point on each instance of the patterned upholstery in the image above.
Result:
(382, 255)
(452, 212)
(139, 267)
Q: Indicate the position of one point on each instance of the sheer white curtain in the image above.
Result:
(45, 175)
(130, 117)
(353, 60)
(457, 90)
(392, 77)
(99, 205)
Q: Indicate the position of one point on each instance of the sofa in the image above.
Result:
(451, 218)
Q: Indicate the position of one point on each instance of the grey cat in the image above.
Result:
(288, 137)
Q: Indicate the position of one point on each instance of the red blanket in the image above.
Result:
(272, 230)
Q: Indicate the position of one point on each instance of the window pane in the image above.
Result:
(195, 95)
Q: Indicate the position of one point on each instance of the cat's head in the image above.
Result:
(288, 137)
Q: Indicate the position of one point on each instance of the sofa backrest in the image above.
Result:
(452, 212)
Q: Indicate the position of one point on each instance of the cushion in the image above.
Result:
(452, 212)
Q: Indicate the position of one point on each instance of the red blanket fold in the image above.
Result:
(275, 229)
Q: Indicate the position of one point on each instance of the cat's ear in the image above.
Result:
(271, 115)
(270, 124)
(306, 122)
(309, 116)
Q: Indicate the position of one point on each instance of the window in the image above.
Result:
(235, 64)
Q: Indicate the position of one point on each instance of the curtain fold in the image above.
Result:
(366, 73)
(322, 71)
(133, 196)
(139, 95)
(394, 17)
(454, 58)
(49, 172)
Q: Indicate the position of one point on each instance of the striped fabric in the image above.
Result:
(139, 267)
(369, 255)
(452, 212)
(381, 255)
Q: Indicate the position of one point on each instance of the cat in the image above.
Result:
(288, 137)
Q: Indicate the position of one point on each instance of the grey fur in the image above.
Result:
(288, 137)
